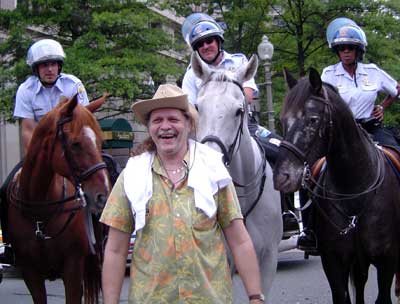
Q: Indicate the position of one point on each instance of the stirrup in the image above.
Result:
(312, 247)
(293, 227)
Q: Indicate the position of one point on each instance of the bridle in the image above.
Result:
(32, 209)
(78, 179)
(229, 153)
(302, 156)
(312, 186)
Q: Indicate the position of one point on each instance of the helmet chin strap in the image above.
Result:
(49, 84)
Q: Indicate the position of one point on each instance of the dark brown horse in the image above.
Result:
(357, 198)
(53, 203)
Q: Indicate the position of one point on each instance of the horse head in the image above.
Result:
(76, 151)
(307, 122)
(221, 104)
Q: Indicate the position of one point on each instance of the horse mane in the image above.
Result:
(300, 93)
(218, 75)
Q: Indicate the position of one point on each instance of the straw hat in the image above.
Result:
(167, 96)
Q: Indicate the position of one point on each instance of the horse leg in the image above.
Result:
(397, 284)
(73, 278)
(359, 276)
(385, 274)
(36, 285)
(337, 272)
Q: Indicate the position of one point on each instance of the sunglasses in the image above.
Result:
(343, 47)
(207, 41)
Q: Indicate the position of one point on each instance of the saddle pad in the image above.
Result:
(393, 155)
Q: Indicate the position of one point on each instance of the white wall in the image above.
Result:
(10, 150)
(8, 4)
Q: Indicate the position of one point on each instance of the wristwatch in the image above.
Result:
(259, 296)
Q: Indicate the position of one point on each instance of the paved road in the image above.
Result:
(298, 281)
(301, 281)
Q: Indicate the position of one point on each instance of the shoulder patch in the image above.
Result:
(81, 88)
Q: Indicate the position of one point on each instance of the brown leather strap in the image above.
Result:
(393, 155)
(316, 168)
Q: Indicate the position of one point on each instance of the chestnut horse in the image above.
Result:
(53, 203)
(357, 197)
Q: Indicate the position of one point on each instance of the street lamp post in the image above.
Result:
(265, 51)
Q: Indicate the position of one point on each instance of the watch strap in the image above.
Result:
(259, 296)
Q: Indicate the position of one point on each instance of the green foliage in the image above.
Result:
(297, 30)
(110, 46)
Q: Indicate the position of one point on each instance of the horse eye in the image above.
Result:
(76, 145)
(314, 119)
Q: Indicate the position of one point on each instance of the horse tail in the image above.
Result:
(92, 279)
(93, 266)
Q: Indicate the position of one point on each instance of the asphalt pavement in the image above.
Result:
(298, 281)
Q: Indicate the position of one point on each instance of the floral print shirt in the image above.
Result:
(179, 255)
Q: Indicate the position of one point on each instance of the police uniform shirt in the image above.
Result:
(232, 62)
(361, 92)
(33, 100)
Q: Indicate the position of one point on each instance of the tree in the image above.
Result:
(110, 46)
(297, 28)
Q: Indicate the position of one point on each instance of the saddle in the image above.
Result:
(392, 154)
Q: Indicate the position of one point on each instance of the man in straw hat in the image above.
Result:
(179, 198)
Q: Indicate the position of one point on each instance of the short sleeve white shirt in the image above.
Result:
(360, 92)
(191, 84)
(33, 100)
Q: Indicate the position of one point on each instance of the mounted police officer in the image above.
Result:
(204, 35)
(35, 97)
(42, 91)
(358, 84)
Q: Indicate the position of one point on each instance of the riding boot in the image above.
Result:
(289, 219)
(307, 240)
(113, 167)
(6, 257)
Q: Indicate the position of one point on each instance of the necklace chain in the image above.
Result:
(176, 171)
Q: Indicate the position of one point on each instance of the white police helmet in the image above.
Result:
(45, 50)
(350, 35)
(205, 29)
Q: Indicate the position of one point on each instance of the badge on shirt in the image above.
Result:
(366, 82)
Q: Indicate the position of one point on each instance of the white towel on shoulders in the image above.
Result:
(207, 174)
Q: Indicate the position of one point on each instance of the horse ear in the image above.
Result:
(95, 104)
(69, 106)
(315, 80)
(200, 68)
(290, 80)
(248, 72)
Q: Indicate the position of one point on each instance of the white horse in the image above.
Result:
(223, 126)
